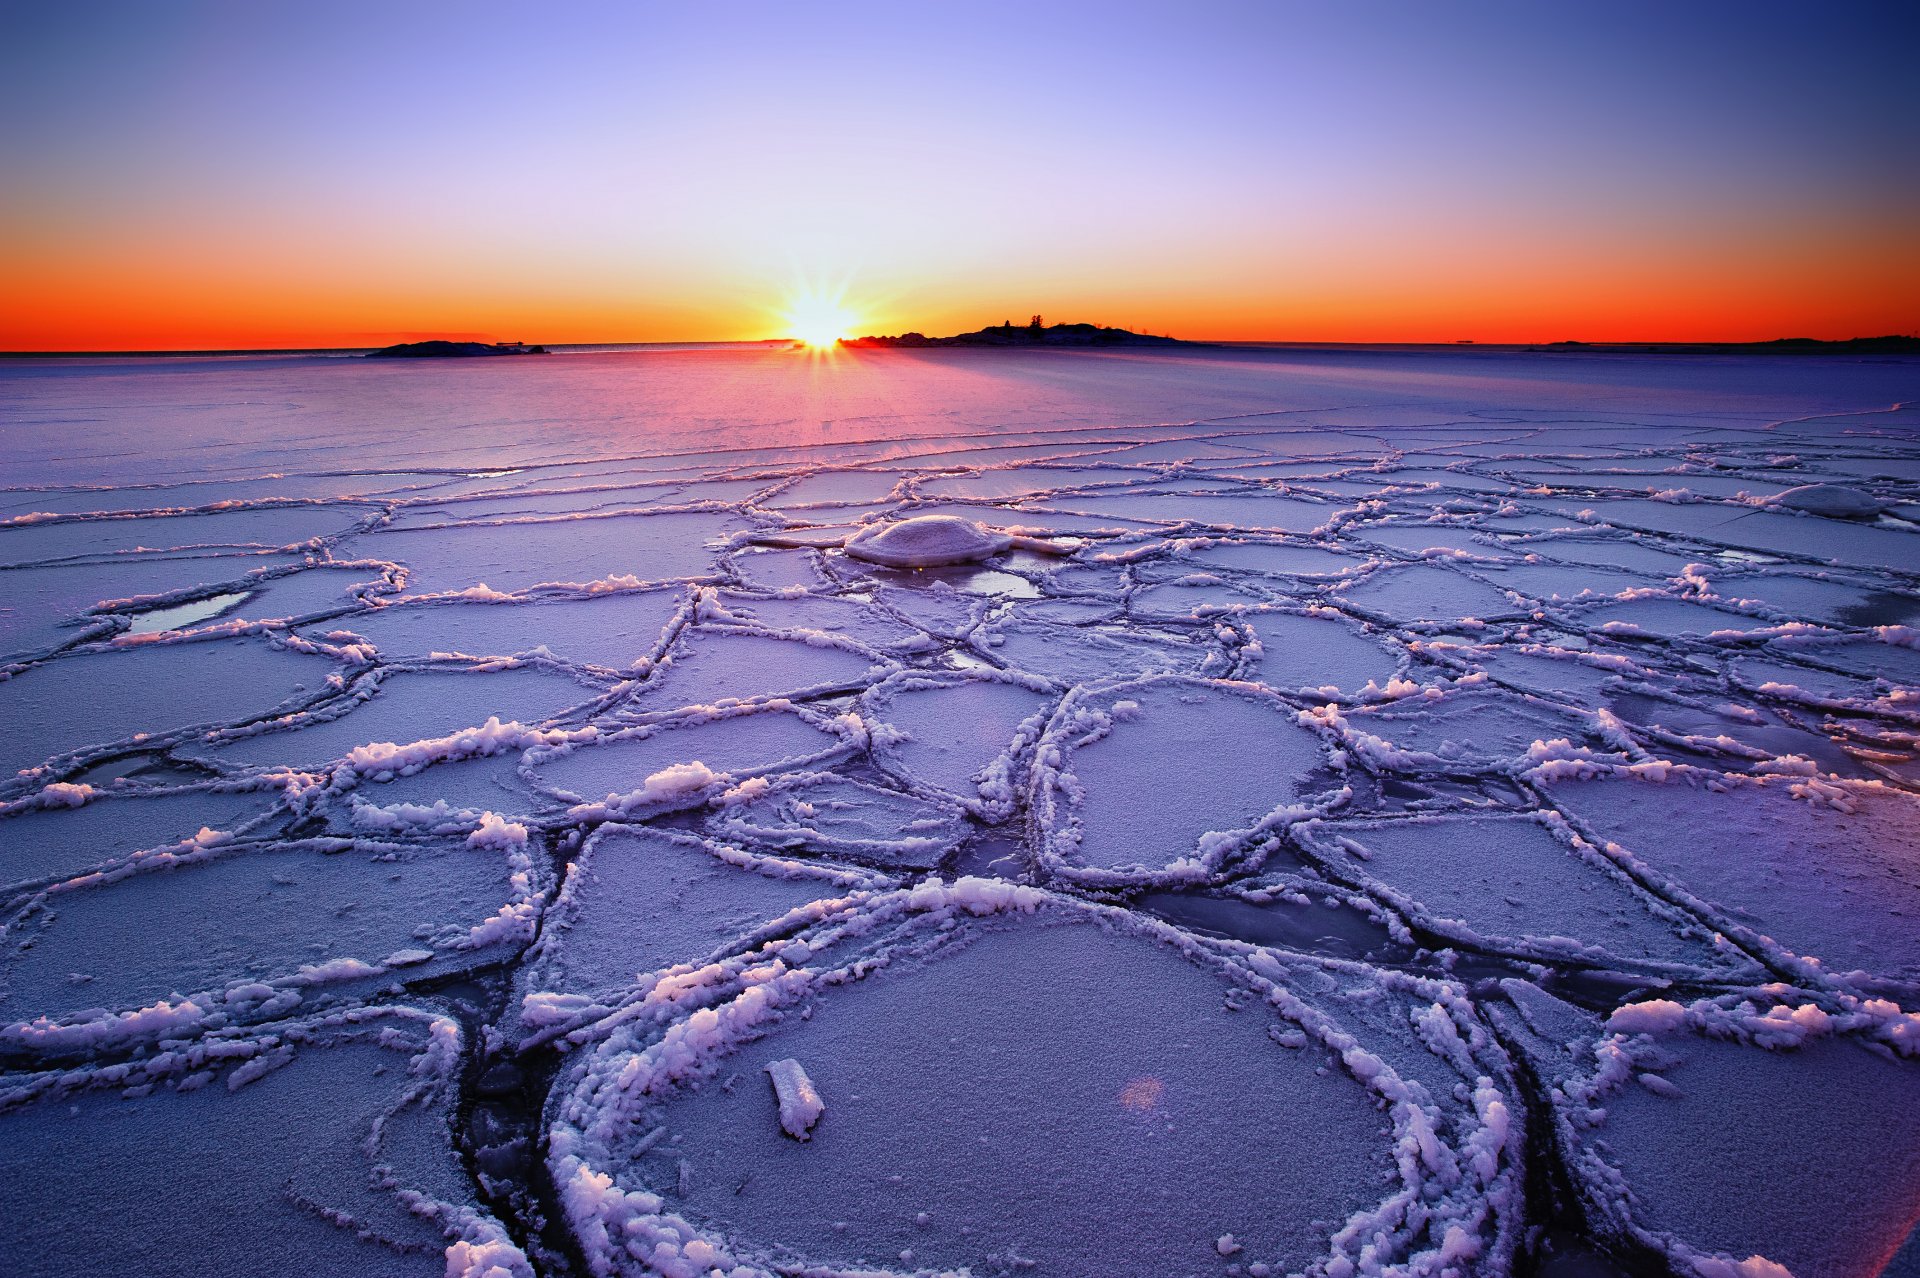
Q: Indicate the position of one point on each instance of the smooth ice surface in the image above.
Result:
(1177, 775)
(736, 745)
(278, 1155)
(1509, 882)
(1837, 881)
(711, 664)
(254, 914)
(1166, 889)
(1158, 1119)
(514, 556)
(146, 690)
(1300, 652)
(1719, 1161)
(839, 816)
(948, 733)
(58, 842)
(1419, 592)
(615, 632)
(637, 900)
(409, 706)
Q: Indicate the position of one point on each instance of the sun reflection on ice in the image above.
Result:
(1142, 1095)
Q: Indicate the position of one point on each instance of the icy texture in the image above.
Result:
(1240, 812)
(402, 707)
(929, 541)
(960, 734)
(637, 900)
(1158, 1095)
(838, 816)
(317, 1143)
(614, 632)
(1828, 871)
(148, 691)
(1172, 779)
(234, 927)
(1508, 882)
(800, 1103)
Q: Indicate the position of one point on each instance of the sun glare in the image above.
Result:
(820, 320)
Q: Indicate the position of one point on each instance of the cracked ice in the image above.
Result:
(1461, 817)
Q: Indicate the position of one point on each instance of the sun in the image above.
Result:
(819, 319)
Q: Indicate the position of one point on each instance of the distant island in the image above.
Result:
(1889, 345)
(1033, 333)
(453, 350)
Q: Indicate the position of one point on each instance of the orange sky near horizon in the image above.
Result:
(228, 177)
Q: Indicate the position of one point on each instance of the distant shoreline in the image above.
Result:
(1889, 345)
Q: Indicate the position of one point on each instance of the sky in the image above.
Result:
(269, 175)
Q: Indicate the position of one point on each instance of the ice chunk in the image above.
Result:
(619, 550)
(40, 843)
(52, 606)
(1838, 501)
(1466, 730)
(1250, 1122)
(1237, 512)
(637, 900)
(1087, 654)
(1702, 1158)
(927, 541)
(290, 526)
(1827, 870)
(1280, 559)
(869, 623)
(1428, 592)
(1667, 617)
(712, 664)
(1302, 652)
(220, 919)
(800, 1103)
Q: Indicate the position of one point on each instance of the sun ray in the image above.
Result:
(819, 318)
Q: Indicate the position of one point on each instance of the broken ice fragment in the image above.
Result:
(927, 541)
(1838, 501)
(800, 1103)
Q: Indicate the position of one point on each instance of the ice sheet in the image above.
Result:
(1407, 813)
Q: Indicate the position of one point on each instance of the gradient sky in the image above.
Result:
(196, 176)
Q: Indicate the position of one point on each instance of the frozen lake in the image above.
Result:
(1272, 811)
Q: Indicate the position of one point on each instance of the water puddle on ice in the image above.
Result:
(179, 616)
(974, 581)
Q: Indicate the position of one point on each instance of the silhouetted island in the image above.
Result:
(453, 350)
(1894, 344)
(1032, 333)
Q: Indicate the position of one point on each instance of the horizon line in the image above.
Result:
(158, 353)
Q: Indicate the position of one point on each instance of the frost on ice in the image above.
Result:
(1443, 839)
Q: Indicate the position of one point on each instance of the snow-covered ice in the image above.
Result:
(1221, 812)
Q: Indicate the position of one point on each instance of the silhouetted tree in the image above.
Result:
(1034, 326)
